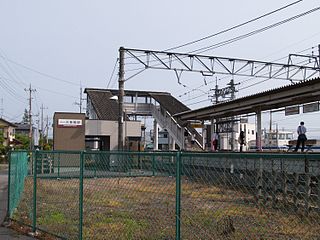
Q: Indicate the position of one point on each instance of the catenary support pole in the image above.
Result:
(178, 194)
(81, 195)
(120, 98)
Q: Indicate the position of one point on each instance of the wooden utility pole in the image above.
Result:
(30, 90)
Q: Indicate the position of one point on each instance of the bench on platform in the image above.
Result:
(308, 144)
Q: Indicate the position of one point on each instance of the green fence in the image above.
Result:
(168, 195)
(18, 170)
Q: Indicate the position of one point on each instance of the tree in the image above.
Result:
(25, 118)
(24, 141)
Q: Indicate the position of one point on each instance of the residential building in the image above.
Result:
(7, 130)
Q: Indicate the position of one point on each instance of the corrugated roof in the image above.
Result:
(170, 103)
(266, 100)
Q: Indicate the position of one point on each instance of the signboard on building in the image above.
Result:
(292, 110)
(69, 122)
(312, 107)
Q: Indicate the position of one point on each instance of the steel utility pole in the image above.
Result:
(30, 90)
(120, 98)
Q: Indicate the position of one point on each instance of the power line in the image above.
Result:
(14, 76)
(113, 71)
(40, 73)
(234, 27)
(6, 86)
(240, 37)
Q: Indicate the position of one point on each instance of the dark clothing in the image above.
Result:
(301, 140)
(241, 140)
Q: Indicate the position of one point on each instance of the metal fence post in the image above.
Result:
(9, 183)
(81, 195)
(153, 164)
(307, 185)
(34, 216)
(178, 194)
(59, 165)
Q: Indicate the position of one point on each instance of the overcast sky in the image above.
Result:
(76, 42)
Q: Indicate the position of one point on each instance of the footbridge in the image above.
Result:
(161, 106)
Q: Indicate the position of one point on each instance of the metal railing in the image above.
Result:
(167, 195)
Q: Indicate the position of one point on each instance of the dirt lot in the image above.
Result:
(144, 208)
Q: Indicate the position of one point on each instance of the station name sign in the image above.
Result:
(69, 123)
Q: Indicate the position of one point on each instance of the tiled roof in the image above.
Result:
(105, 108)
(7, 123)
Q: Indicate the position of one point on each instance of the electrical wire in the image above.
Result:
(113, 71)
(11, 91)
(13, 74)
(41, 73)
(234, 27)
(240, 37)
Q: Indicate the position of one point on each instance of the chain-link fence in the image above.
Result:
(169, 195)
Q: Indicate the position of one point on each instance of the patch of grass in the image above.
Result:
(144, 208)
(52, 218)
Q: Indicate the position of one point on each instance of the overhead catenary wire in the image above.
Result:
(232, 28)
(243, 36)
(212, 35)
(240, 37)
(264, 80)
(248, 79)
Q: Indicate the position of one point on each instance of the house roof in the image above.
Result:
(6, 123)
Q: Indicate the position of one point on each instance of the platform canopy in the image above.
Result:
(298, 93)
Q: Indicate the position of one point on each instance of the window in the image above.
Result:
(252, 132)
(289, 136)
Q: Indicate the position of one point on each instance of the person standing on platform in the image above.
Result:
(241, 140)
(302, 138)
(214, 142)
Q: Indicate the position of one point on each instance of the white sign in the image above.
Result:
(312, 107)
(69, 122)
